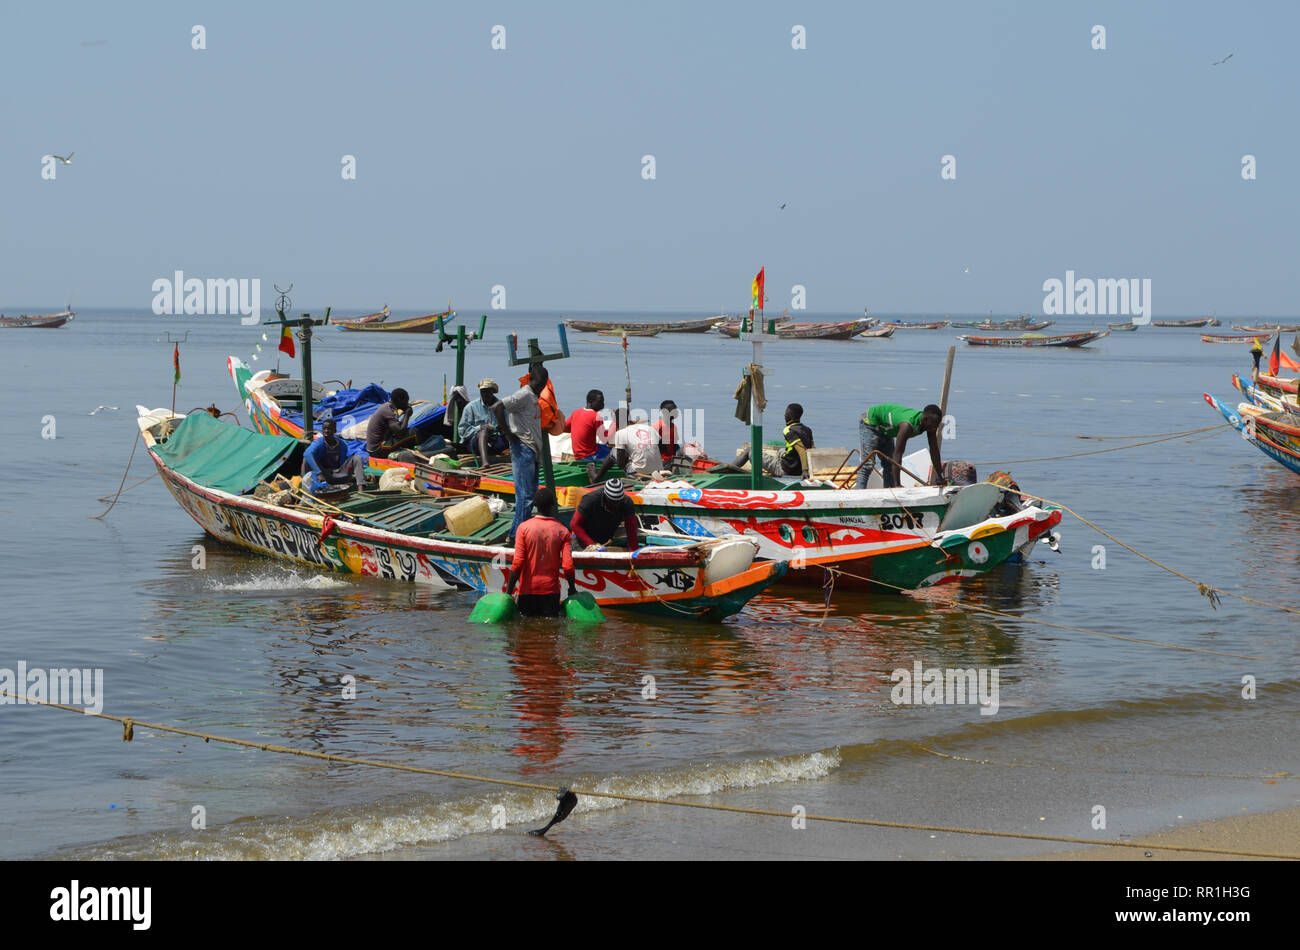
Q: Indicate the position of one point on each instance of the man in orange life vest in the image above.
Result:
(542, 552)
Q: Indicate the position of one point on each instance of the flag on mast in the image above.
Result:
(176, 363)
(286, 340)
(756, 290)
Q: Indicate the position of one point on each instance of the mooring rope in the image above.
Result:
(104, 499)
(139, 436)
(1208, 591)
(1054, 767)
(1115, 448)
(128, 734)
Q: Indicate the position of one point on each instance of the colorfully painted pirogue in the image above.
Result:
(212, 468)
(890, 538)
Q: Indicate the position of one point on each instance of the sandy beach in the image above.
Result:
(1276, 832)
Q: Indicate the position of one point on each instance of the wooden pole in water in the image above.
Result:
(943, 395)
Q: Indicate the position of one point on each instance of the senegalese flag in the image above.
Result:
(286, 340)
(756, 290)
(176, 362)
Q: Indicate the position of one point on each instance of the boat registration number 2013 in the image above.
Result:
(901, 520)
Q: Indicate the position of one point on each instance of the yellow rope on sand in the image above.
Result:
(129, 724)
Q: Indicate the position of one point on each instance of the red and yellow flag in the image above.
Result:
(286, 340)
(756, 290)
(176, 362)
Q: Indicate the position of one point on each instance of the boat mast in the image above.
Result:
(304, 325)
(534, 359)
(458, 343)
(759, 330)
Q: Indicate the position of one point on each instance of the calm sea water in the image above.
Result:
(783, 705)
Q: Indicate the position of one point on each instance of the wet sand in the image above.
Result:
(1276, 832)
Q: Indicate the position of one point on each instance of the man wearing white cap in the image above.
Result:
(601, 513)
(477, 428)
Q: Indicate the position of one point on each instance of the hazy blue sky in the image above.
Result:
(522, 167)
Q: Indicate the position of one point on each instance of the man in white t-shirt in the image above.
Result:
(637, 447)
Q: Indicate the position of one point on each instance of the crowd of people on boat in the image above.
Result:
(520, 423)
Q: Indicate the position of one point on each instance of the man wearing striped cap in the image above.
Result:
(601, 513)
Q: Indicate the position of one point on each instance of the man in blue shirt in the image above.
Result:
(477, 429)
(328, 461)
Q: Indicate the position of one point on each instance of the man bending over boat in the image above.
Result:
(328, 461)
(527, 441)
(386, 430)
(886, 429)
(601, 513)
(541, 553)
(478, 424)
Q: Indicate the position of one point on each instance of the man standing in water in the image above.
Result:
(886, 429)
(527, 441)
(541, 554)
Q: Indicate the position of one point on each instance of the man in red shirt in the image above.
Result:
(666, 426)
(541, 553)
(583, 425)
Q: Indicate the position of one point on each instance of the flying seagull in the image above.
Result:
(1219, 62)
(967, 269)
(66, 161)
(100, 408)
(782, 208)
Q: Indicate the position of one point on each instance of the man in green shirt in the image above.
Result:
(886, 429)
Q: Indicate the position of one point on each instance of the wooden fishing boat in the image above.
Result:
(1032, 326)
(1270, 330)
(1234, 338)
(1257, 436)
(377, 317)
(732, 327)
(883, 539)
(627, 331)
(425, 324)
(1272, 402)
(1276, 385)
(668, 326)
(822, 331)
(274, 405)
(1198, 322)
(1128, 326)
(214, 470)
(47, 321)
(1034, 339)
(876, 333)
(808, 331)
(899, 325)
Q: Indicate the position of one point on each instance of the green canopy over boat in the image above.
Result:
(223, 456)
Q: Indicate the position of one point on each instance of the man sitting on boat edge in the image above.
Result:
(386, 430)
(584, 426)
(328, 461)
(477, 429)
